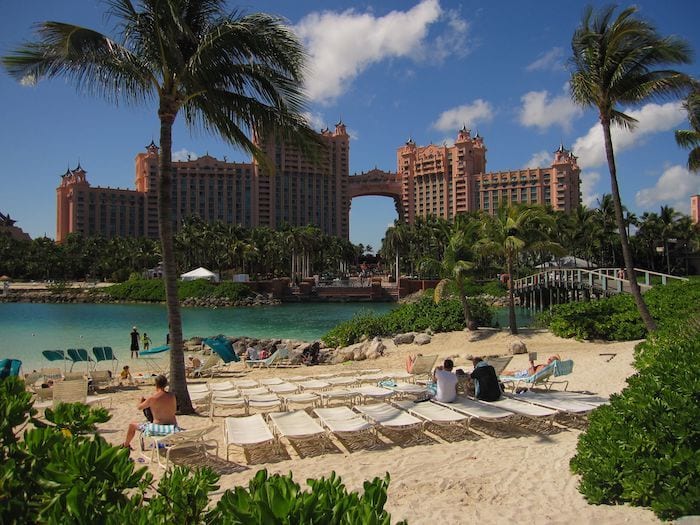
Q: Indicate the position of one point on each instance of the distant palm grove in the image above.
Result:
(662, 241)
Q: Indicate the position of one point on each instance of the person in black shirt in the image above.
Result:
(485, 379)
(134, 342)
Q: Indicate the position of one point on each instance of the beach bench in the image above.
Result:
(343, 422)
(434, 413)
(297, 426)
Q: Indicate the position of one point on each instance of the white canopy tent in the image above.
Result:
(200, 273)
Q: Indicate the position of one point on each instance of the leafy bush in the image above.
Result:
(62, 472)
(644, 448)
(153, 290)
(278, 499)
(445, 316)
(617, 319)
(58, 287)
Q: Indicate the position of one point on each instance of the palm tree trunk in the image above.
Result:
(511, 298)
(626, 252)
(178, 382)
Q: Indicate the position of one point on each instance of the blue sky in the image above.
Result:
(391, 70)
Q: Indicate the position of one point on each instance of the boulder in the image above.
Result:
(375, 348)
(517, 347)
(404, 339)
(422, 339)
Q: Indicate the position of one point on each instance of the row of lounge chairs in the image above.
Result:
(253, 433)
(80, 355)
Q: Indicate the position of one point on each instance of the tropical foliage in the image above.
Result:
(644, 447)
(152, 290)
(614, 62)
(617, 319)
(61, 471)
(239, 76)
(425, 314)
(690, 138)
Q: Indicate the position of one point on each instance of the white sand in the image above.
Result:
(514, 477)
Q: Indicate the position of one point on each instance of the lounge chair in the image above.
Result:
(249, 432)
(105, 353)
(296, 426)
(101, 379)
(338, 393)
(199, 393)
(271, 381)
(407, 389)
(56, 355)
(80, 355)
(274, 360)
(51, 373)
(263, 402)
(569, 406)
(523, 409)
(343, 422)
(343, 381)
(499, 364)
(389, 417)
(305, 398)
(195, 438)
(373, 392)
(10, 367)
(74, 392)
(283, 388)
(246, 383)
(485, 412)
(589, 399)
(423, 366)
(561, 368)
(539, 378)
(434, 413)
(374, 378)
(226, 399)
(314, 384)
(73, 376)
(221, 386)
(209, 367)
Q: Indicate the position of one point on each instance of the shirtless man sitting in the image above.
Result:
(163, 406)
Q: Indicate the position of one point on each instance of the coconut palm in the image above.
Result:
(225, 73)
(615, 62)
(690, 138)
(513, 231)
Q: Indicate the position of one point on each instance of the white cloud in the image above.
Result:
(551, 60)
(540, 111)
(652, 118)
(589, 180)
(184, 154)
(539, 159)
(673, 188)
(315, 120)
(467, 115)
(342, 45)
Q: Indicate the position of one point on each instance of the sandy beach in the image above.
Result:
(514, 474)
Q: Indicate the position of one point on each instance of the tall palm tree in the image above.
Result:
(227, 73)
(515, 230)
(615, 62)
(690, 138)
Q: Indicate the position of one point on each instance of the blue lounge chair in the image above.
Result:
(273, 360)
(79, 355)
(9, 367)
(56, 355)
(105, 353)
(539, 378)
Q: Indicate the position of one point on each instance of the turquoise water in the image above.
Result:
(27, 328)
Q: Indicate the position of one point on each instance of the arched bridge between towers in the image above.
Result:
(377, 182)
(558, 285)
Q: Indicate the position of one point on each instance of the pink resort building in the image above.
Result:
(695, 209)
(430, 180)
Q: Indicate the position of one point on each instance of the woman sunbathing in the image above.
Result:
(532, 369)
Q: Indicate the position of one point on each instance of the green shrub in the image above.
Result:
(644, 447)
(153, 290)
(617, 319)
(62, 472)
(445, 316)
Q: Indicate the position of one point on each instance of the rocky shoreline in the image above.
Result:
(96, 297)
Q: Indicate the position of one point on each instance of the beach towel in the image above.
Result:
(155, 429)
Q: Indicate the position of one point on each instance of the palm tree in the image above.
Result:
(614, 62)
(225, 73)
(512, 231)
(690, 138)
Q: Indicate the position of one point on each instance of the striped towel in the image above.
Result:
(155, 429)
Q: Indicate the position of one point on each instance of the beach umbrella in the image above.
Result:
(223, 347)
(151, 352)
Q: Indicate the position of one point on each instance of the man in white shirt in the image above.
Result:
(446, 382)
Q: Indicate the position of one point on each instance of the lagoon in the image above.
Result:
(28, 328)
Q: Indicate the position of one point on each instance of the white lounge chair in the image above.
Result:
(314, 385)
(373, 378)
(589, 399)
(486, 412)
(101, 379)
(387, 416)
(373, 392)
(568, 406)
(304, 398)
(271, 381)
(338, 393)
(222, 386)
(433, 413)
(283, 388)
(195, 438)
(343, 381)
(244, 384)
(523, 409)
(226, 399)
(250, 433)
(343, 422)
(264, 402)
(75, 392)
(408, 389)
(423, 366)
(210, 366)
(296, 426)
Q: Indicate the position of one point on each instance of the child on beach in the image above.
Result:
(146, 341)
(125, 376)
